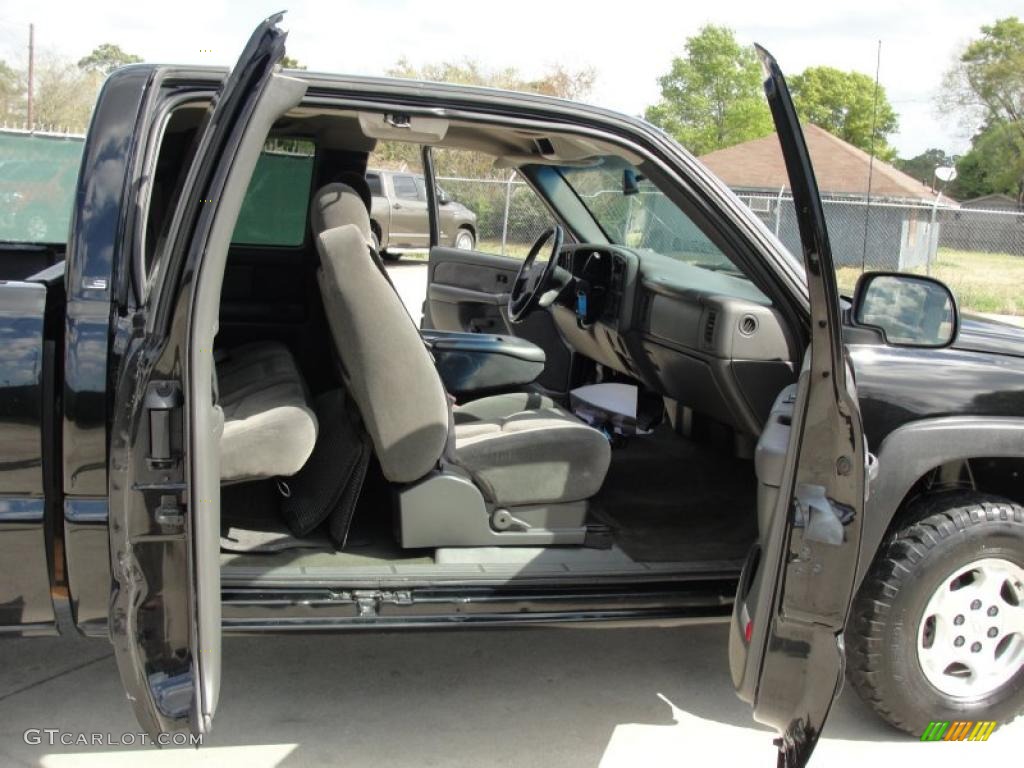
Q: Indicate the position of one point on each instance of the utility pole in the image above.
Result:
(31, 68)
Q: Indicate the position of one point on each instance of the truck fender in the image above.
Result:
(914, 449)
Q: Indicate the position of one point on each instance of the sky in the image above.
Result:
(629, 43)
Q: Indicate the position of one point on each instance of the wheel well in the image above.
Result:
(470, 228)
(999, 476)
(375, 227)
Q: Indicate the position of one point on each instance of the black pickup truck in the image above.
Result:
(676, 421)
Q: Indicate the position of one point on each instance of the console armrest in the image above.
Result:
(479, 363)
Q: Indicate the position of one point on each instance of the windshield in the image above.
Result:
(633, 212)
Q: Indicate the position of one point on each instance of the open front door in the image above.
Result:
(786, 639)
(165, 621)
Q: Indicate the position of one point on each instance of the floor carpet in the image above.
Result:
(668, 499)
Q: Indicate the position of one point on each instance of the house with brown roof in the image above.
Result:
(859, 194)
(841, 168)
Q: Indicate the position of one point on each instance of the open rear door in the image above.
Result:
(165, 620)
(786, 639)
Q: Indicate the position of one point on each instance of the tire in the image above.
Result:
(464, 239)
(375, 238)
(910, 616)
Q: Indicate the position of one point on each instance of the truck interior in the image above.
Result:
(629, 426)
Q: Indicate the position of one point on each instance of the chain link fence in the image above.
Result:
(509, 215)
(978, 253)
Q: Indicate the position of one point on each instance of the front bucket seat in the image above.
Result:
(509, 469)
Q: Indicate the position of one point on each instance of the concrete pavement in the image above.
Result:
(572, 697)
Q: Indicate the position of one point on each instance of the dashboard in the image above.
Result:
(706, 339)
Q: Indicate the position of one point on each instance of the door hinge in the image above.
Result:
(162, 398)
(170, 513)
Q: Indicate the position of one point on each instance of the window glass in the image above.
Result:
(633, 212)
(502, 209)
(275, 206)
(405, 187)
(421, 188)
(373, 180)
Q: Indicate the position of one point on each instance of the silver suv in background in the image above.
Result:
(398, 215)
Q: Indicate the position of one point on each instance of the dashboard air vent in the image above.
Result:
(748, 325)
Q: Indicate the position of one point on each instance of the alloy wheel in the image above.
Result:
(971, 638)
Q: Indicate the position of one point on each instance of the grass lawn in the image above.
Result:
(981, 282)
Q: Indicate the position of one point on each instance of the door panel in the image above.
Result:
(468, 291)
(164, 446)
(786, 644)
(409, 221)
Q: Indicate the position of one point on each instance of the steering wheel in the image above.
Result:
(530, 289)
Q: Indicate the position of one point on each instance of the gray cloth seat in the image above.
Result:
(518, 449)
(535, 455)
(269, 427)
(499, 407)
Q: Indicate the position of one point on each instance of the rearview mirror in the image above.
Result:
(631, 182)
(909, 310)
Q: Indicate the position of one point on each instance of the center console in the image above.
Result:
(479, 363)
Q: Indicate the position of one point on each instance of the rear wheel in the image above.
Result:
(375, 238)
(937, 630)
(464, 239)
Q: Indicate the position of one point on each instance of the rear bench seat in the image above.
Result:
(269, 427)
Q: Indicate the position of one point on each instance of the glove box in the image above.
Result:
(471, 363)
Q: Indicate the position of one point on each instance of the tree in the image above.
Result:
(557, 81)
(922, 167)
(844, 104)
(994, 163)
(987, 84)
(64, 95)
(12, 95)
(105, 58)
(288, 62)
(712, 96)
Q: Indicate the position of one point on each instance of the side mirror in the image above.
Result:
(442, 197)
(909, 310)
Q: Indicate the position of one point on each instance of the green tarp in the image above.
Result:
(37, 186)
(38, 175)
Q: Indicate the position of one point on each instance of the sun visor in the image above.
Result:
(398, 127)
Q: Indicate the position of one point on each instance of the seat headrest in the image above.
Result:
(336, 205)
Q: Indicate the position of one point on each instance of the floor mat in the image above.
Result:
(236, 539)
(251, 521)
(668, 499)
